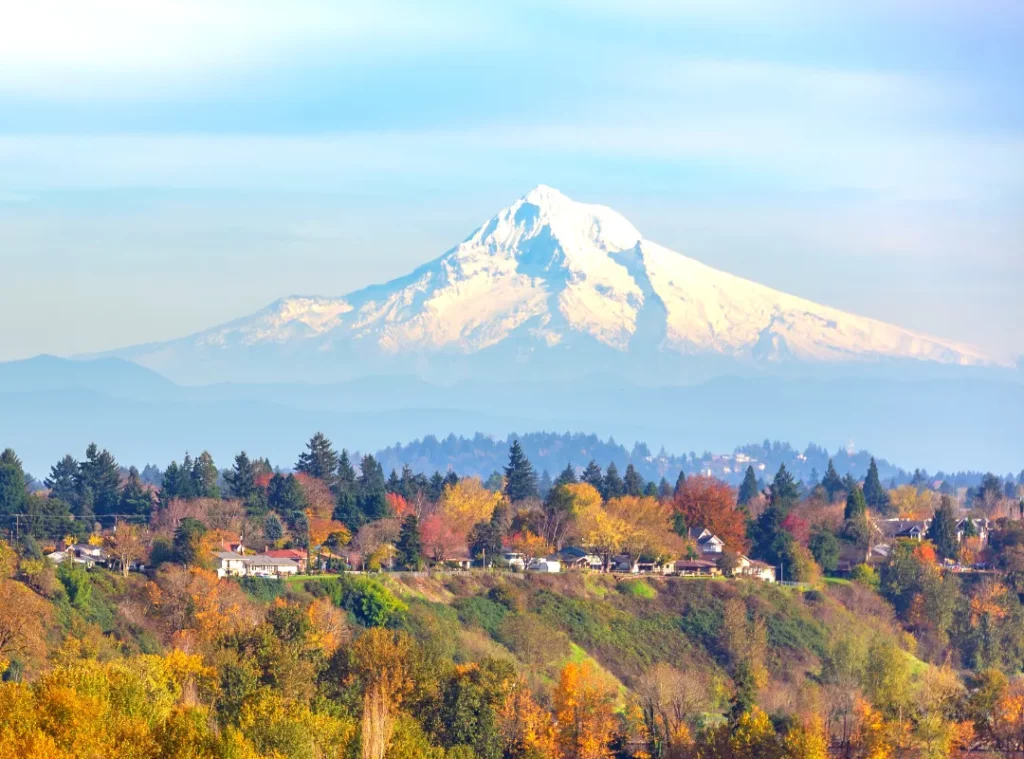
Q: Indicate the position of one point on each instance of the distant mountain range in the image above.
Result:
(51, 406)
(551, 288)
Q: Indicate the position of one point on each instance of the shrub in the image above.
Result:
(371, 603)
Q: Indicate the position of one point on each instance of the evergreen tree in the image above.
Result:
(748, 488)
(825, 548)
(371, 493)
(409, 548)
(407, 487)
(135, 497)
(942, 530)
(100, 475)
(567, 476)
(188, 540)
(815, 479)
(651, 490)
(12, 484)
(495, 482)
(50, 519)
(784, 492)
(593, 476)
(856, 505)
(204, 477)
(520, 480)
(393, 484)
(286, 496)
(664, 489)
(855, 527)
(273, 530)
(545, 484)
(832, 482)
(876, 496)
(242, 477)
(345, 509)
(633, 483)
(62, 481)
(187, 485)
(436, 487)
(680, 481)
(485, 541)
(613, 485)
(319, 459)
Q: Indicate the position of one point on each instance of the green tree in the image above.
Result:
(680, 481)
(593, 476)
(824, 547)
(99, 475)
(273, 530)
(62, 481)
(286, 496)
(832, 482)
(49, 518)
(204, 477)
(856, 505)
(520, 480)
(633, 482)
(242, 477)
(485, 541)
(188, 541)
(566, 477)
(371, 492)
(856, 529)
(784, 491)
(876, 496)
(409, 548)
(942, 530)
(319, 459)
(748, 488)
(12, 484)
(135, 497)
(664, 489)
(613, 485)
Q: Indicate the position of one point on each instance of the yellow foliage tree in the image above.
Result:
(584, 715)
(466, 503)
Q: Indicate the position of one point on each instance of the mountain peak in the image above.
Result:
(547, 279)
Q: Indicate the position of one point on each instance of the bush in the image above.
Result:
(637, 589)
(481, 612)
(264, 589)
(372, 604)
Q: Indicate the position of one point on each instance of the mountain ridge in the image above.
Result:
(546, 279)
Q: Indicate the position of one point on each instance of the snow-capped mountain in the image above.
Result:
(547, 282)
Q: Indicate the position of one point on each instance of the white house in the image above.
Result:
(757, 570)
(515, 560)
(548, 566)
(706, 541)
(231, 564)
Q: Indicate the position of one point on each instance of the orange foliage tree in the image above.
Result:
(710, 503)
(528, 544)
(318, 495)
(584, 712)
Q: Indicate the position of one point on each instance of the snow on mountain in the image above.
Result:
(550, 272)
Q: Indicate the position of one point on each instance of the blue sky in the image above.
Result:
(166, 165)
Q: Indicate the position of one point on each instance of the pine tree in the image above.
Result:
(876, 496)
(286, 496)
(100, 475)
(856, 505)
(12, 484)
(409, 548)
(371, 493)
(613, 485)
(664, 489)
(784, 491)
(393, 485)
(544, 484)
(135, 497)
(748, 488)
(319, 459)
(520, 481)
(407, 487)
(62, 479)
(815, 479)
(204, 477)
(855, 527)
(273, 530)
(451, 479)
(593, 476)
(651, 490)
(242, 477)
(435, 487)
(832, 482)
(567, 476)
(485, 541)
(680, 481)
(942, 530)
(633, 483)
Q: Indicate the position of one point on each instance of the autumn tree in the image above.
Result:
(467, 503)
(671, 702)
(379, 665)
(584, 716)
(127, 544)
(708, 503)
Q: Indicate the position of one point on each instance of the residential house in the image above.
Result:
(574, 557)
(754, 569)
(299, 557)
(904, 529)
(550, 565)
(696, 568)
(625, 563)
(981, 528)
(706, 541)
(229, 564)
(262, 565)
(515, 560)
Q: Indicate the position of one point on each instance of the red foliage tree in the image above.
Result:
(710, 503)
(799, 528)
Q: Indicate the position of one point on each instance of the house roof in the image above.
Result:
(695, 564)
(894, 528)
(286, 553)
(266, 561)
